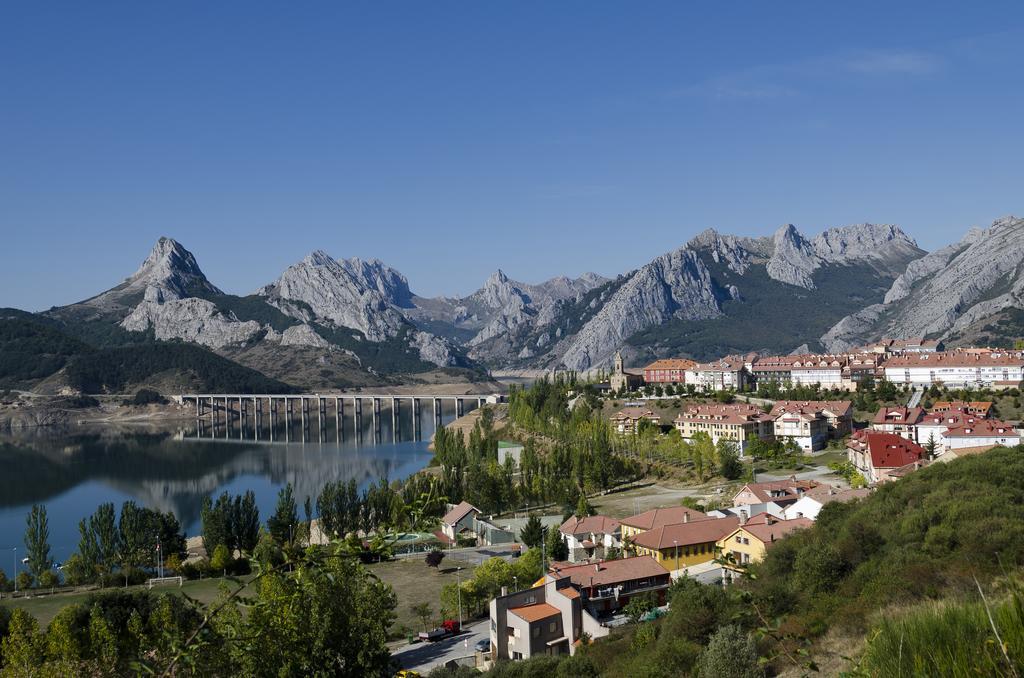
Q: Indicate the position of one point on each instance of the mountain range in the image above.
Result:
(327, 322)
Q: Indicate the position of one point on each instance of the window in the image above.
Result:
(552, 627)
(535, 632)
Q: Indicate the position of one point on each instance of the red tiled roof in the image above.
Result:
(980, 407)
(958, 359)
(889, 450)
(768, 528)
(988, 428)
(595, 524)
(458, 513)
(608, 572)
(739, 413)
(532, 613)
(840, 408)
(898, 415)
(635, 414)
(658, 517)
(671, 364)
(792, 487)
(685, 534)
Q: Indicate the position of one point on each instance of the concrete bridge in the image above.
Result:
(237, 406)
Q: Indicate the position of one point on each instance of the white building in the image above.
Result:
(958, 369)
(810, 505)
(980, 433)
(718, 375)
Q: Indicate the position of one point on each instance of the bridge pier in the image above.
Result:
(376, 420)
(417, 426)
(396, 426)
(358, 406)
(460, 407)
(437, 413)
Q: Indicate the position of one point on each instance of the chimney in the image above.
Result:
(597, 567)
(743, 517)
(686, 517)
(769, 519)
(504, 591)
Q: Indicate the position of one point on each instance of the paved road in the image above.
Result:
(423, 657)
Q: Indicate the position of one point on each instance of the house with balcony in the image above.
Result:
(838, 414)
(878, 455)
(724, 374)
(548, 619)
(750, 541)
(738, 423)
(957, 369)
(667, 371)
(810, 504)
(899, 420)
(658, 517)
(607, 586)
(780, 492)
(628, 419)
(591, 537)
(681, 545)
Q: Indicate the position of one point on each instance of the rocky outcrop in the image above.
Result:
(794, 259)
(347, 295)
(946, 291)
(675, 285)
(304, 335)
(435, 350)
(192, 319)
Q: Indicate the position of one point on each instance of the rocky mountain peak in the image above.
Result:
(861, 240)
(793, 259)
(169, 272)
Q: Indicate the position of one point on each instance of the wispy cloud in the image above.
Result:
(790, 79)
(881, 62)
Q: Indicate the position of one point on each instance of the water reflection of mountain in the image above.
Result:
(173, 471)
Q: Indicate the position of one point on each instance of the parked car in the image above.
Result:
(483, 645)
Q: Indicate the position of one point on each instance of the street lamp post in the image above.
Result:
(458, 586)
(515, 583)
(15, 569)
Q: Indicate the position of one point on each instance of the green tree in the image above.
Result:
(583, 507)
(84, 568)
(137, 535)
(556, 546)
(23, 649)
(37, 541)
(103, 526)
(221, 558)
(424, 612)
(245, 522)
(729, 465)
(532, 532)
(216, 520)
(638, 606)
(325, 618)
(283, 524)
(731, 653)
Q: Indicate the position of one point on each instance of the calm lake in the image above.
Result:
(172, 467)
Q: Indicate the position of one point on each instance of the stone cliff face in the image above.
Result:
(347, 295)
(679, 285)
(946, 291)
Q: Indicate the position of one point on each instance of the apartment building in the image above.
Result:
(958, 369)
(739, 423)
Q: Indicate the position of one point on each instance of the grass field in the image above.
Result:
(43, 608)
(414, 582)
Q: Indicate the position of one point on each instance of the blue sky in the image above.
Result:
(450, 139)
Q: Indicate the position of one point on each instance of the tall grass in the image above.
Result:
(950, 639)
